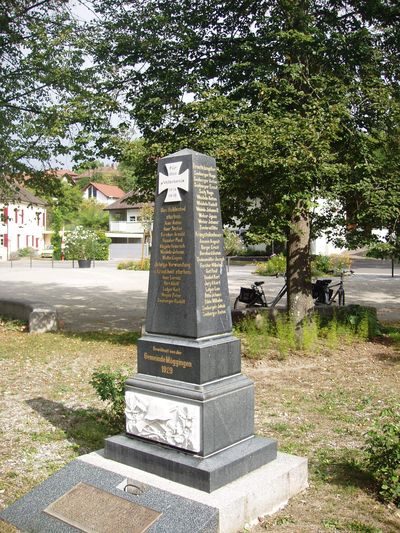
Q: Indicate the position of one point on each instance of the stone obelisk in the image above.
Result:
(189, 410)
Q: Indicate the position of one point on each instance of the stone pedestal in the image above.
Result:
(189, 410)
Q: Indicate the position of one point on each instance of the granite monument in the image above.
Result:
(189, 410)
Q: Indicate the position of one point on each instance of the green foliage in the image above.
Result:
(102, 248)
(261, 334)
(233, 244)
(275, 265)
(135, 265)
(296, 102)
(256, 335)
(385, 250)
(47, 108)
(56, 238)
(285, 330)
(329, 264)
(83, 243)
(92, 215)
(382, 450)
(26, 252)
(321, 264)
(110, 387)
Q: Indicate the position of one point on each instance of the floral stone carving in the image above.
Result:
(163, 420)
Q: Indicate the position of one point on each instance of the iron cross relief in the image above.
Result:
(172, 181)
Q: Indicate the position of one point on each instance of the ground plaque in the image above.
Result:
(189, 394)
(93, 510)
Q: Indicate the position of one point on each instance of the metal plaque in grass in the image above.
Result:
(93, 510)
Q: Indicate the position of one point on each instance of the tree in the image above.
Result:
(283, 92)
(45, 94)
(146, 219)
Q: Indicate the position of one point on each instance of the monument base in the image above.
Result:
(260, 493)
(203, 473)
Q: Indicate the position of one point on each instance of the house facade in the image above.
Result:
(103, 193)
(126, 231)
(22, 224)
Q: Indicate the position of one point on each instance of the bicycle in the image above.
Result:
(255, 296)
(323, 291)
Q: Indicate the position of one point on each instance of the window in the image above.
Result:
(118, 216)
(1, 240)
(132, 218)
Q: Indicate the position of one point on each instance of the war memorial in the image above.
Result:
(189, 460)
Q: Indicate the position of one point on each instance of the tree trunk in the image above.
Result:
(300, 302)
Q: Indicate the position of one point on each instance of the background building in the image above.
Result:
(22, 224)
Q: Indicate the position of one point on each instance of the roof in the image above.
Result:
(24, 196)
(111, 191)
(61, 172)
(123, 203)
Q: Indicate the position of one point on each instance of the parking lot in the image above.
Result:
(106, 298)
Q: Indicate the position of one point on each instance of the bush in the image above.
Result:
(83, 243)
(110, 387)
(275, 265)
(135, 265)
(232, 243)
(383, 454)
(320, 265)
(26, 252)
(328, 264)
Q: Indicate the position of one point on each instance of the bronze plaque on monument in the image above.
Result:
(93, 510)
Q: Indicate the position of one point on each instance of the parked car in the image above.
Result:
(48, 251)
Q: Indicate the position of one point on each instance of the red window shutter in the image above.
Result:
(27, 243)
(22, 216)
(5, 212)
(6, 240)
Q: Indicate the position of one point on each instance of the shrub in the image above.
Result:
(83, 243)
(135, 265)
(26, 252)
(383, 454)
(110, 387)
(275, 265)
(232, 242)
(320, 265)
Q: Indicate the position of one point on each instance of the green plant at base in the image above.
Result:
(383, 454)
(135, 265)
(286, 333)
(275, 265)
(255, 333)
(309, 333)
(110, 387)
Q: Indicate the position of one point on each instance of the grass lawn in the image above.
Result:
(316, 404)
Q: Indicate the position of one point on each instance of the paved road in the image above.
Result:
(106, 298)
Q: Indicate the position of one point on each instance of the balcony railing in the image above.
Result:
(126, 227)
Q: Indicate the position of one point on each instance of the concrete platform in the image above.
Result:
(226, 510)
(259, 493)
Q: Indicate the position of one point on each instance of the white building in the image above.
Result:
(102, 193)
(126, 230)
(22, 224)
